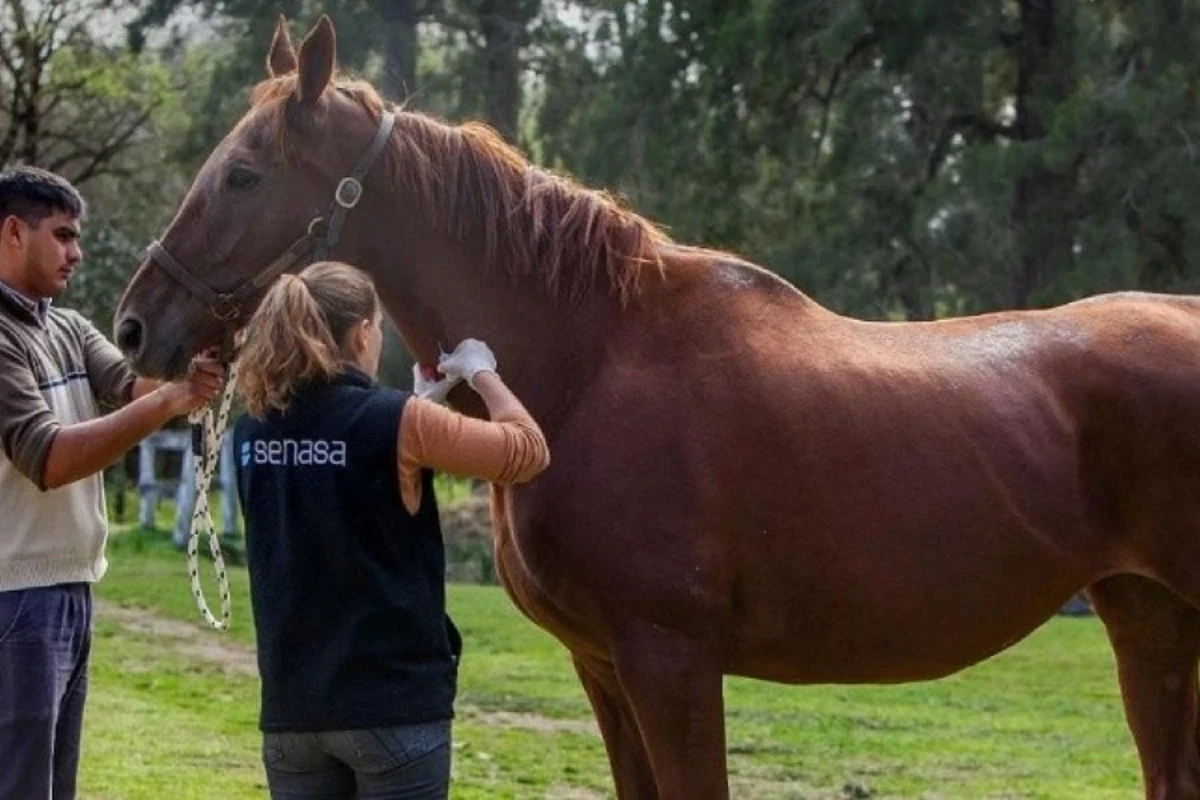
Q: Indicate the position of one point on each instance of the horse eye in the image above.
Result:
(240, 178)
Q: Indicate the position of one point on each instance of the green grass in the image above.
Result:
(449, 489)
(1041, 721)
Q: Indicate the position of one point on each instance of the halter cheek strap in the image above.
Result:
(349, 189)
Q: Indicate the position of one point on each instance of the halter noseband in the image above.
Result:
(318, 240)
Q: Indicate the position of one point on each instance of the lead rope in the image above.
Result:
(210, 429)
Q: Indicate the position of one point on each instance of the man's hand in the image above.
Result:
(201, 386)
(431, 390)
(469, 358)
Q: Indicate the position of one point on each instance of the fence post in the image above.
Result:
(185, 499)
(147, 485)
(229, 496)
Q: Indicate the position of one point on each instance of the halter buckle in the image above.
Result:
(349, 192)
(225, 307)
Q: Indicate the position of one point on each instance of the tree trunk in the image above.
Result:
(27, 85)
(505, 26)
(400, 48)
(1041, 197)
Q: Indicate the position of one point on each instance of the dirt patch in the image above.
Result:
(203, 645)
(573, 793)
(186, 639)
(527, 721)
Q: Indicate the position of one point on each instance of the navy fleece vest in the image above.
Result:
(347, 587)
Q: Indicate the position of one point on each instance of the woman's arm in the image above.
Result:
(509, 448)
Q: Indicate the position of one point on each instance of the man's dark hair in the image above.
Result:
(32, 194)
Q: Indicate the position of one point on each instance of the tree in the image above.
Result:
(69, 102)
(75, 101)
(896, 160)
(377, 40)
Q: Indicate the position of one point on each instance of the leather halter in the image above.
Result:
(318, 240)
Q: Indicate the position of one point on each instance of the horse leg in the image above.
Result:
(627, 756)
(1156, 638)
(673, 681)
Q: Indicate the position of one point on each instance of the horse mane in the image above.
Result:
(536, 224)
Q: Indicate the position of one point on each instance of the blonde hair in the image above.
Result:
(299, 332)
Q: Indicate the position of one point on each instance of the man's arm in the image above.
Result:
(26, 422)
(85, 448)
(111, 378)
(50, 454)
(143, 387)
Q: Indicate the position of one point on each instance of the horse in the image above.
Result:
(743, 482)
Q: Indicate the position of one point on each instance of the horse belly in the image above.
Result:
(913, 596)
(846, 637)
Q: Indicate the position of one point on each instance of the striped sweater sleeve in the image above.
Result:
(109, 374)
(27, 424)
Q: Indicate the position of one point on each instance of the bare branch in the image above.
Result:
(18, 10)
(826, 98)
(52, 117)
(62, 92)
(114, 146)
(9, 144)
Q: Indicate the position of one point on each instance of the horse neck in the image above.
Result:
(441, 294)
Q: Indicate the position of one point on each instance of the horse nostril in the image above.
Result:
(129, 336)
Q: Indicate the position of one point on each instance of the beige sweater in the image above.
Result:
(55, 369)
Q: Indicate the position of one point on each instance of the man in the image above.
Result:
(55, 371)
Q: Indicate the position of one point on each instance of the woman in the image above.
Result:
(357, 656)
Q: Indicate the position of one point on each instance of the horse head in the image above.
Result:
(272, 196)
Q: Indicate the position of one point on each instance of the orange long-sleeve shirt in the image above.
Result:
(507, 449)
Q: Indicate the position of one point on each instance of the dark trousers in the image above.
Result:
(45, 641)
(410, 762)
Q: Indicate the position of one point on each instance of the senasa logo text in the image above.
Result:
(295, 452)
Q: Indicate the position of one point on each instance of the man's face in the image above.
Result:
(48, 253)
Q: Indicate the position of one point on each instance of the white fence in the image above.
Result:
(152, 489)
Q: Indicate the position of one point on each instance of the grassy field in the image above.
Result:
(173, 708)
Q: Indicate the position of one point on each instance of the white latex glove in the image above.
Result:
(431, 390)
(470, 357)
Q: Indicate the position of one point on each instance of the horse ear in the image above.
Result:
(282, 58)
(317, 54)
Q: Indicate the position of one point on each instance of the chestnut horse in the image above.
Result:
(743, 482)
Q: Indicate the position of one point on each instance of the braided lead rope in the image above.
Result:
(206, 464)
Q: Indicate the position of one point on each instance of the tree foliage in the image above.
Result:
(74, 99)
(905, 160)
(901, 160)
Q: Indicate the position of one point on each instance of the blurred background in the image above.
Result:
(894, 160)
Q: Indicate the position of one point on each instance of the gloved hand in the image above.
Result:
(469, 358)
(429, 389)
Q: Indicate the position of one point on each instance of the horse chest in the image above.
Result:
(527, 586)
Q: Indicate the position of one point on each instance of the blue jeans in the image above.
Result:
(410, 761)
(45, 642)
